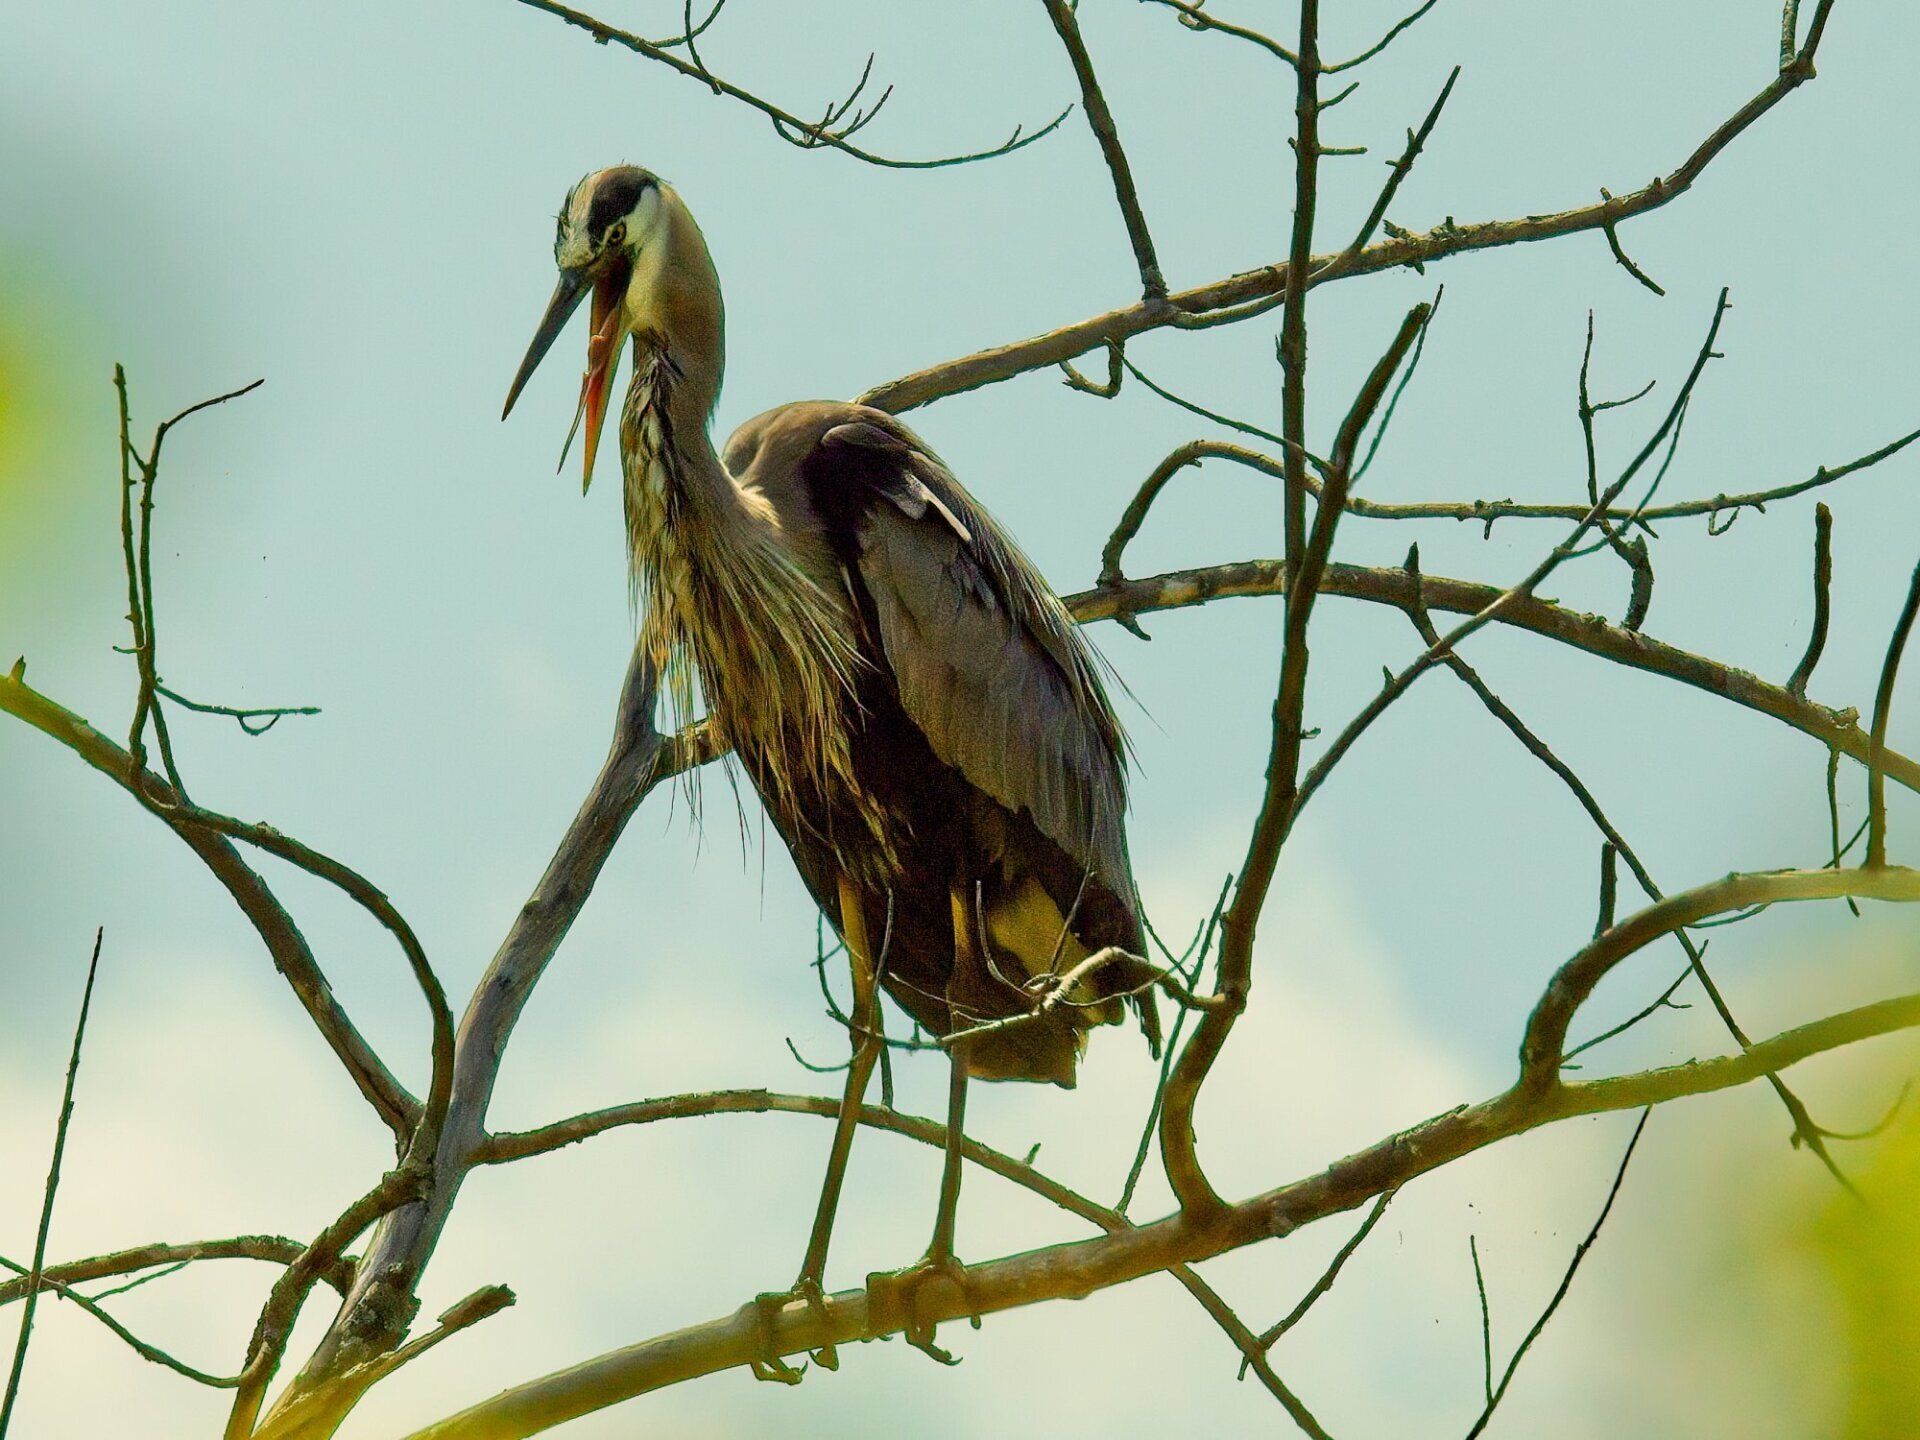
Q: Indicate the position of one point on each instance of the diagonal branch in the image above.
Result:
(291, 954)
(144, 1349)
(1805, 1131)
(507, 1147)
(37, 1273)
(374, 1317)
(1100, 118)
(1003, 362)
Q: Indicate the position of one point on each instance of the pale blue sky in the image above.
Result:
(354, 201)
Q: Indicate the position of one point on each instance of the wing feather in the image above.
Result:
(988, 663)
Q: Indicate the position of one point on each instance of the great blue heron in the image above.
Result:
(923, 721)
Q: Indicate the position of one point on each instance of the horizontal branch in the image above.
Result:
(1592, 633)
(520, 1145)
(1078, 1269)
(523, 1144)
(275, 1249)
(1003, 362)
(1482, 512)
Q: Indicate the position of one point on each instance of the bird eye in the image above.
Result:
(617, 234)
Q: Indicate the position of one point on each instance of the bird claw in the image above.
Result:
(893, 1299)
(769, 1364)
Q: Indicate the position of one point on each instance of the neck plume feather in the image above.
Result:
(726, 603)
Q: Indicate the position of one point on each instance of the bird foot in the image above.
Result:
(770, 1364)
(893, 1300)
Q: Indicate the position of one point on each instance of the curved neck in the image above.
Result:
(673, 304)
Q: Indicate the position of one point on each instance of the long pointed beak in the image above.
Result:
(567, 296)
(603, 350)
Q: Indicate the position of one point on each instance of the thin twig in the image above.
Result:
(1332, 1273)
(1822, 599)
(806, 134)
(248, 718)
(1620, 254)
(1486, 1321)
(1400, 27)
(1833, 817)
(1609, 879)
(35, 1273)
(1397, 171)
(1195, 18)
(1882, 712)
(1171, 1048)
(1566, 1282)
(144, 1349)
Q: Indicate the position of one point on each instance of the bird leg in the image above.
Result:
(896, 1293)
(865, 1023)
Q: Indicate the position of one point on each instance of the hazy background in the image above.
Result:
(354, 201)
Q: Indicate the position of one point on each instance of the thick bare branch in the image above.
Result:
(1079, 1268)
(503, 1148)
(1003, 362)
(1592, 633)
(375, 1315)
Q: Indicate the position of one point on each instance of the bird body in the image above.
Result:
(922, 720)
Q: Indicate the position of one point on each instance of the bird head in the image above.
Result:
(625, 238)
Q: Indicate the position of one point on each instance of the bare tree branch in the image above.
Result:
(1805, 1131)
(288, 947)
(1495, 1394)
(1822, 599)
(1882, 711)
(1080, 1267)
(36, 1273)
(1003, 362)
(276, 1249)
(146, 1350)
(827, 132)
(1100, 118)
(376, 1313)
(1591, 633)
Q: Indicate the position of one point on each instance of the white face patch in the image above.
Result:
(574, 246)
